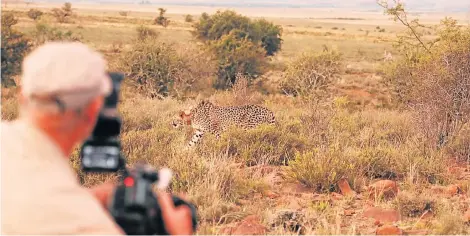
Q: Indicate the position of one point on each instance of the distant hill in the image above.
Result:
(366, 5)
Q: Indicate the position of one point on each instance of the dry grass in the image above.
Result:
(354, 133)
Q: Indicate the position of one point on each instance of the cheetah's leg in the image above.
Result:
(196, 137)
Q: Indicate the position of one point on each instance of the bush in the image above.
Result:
(433, 77)
(373, 144)
(64, 14)
(239, 43)
(161, 20)
(144, 33)
(188, 18)
(310, 73)
(320, 170)
(44, 33)
(223, 23)
(270, 35)
(236, 55)
(160, 70)
(35, 14)
(14, 47)
(154, 66)
(124, 13)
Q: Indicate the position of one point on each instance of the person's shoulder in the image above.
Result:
(8, 124)
(7, 129)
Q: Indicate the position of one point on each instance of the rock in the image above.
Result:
(270, 194)
(453, 189)
(295, 188)
(388, 230)
(349, 212)
(382, 215)
(248, 226)
(345, 188)
(386, 188)
(450, 190)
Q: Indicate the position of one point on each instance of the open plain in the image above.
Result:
(348, 160)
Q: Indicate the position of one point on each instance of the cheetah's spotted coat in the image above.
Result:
(207, 117)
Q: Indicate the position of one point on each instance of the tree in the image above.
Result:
(161, 20)
(35, 14)
(14, 47)
(433, 77)
(63, 14)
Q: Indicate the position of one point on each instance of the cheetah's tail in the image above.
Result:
(273, 121)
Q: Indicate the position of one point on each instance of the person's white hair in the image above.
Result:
(59, 76)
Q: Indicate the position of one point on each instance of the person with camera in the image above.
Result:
(62, 91)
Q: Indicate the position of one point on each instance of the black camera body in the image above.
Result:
(134, 206)
(101, 152)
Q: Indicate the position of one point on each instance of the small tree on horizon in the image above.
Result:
(161, 19)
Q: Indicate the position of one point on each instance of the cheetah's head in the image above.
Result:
(184, 118)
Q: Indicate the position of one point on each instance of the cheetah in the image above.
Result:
(207, 117)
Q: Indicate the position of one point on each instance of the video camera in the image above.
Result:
(134, 206)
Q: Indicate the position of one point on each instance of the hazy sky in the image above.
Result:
(444, 5)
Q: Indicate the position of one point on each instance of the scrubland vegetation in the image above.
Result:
(348, 121)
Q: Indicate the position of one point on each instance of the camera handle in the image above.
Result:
(134, 205)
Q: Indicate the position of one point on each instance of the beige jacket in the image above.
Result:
(40, 191)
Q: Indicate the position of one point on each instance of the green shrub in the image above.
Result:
(321, 170)
(270, 35)
(35, 14)
(311, 73)
(433, 77)
(64, 14)
(236, 54)
(159, 69)
(224, 22)
(14, 47)
(188, 18)
(154, 66)
(44, 33)
(144, 33)
(124, 13)
(239, 44)
(162, 20)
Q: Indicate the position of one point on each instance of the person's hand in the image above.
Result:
(178, 220)
(103, 192)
